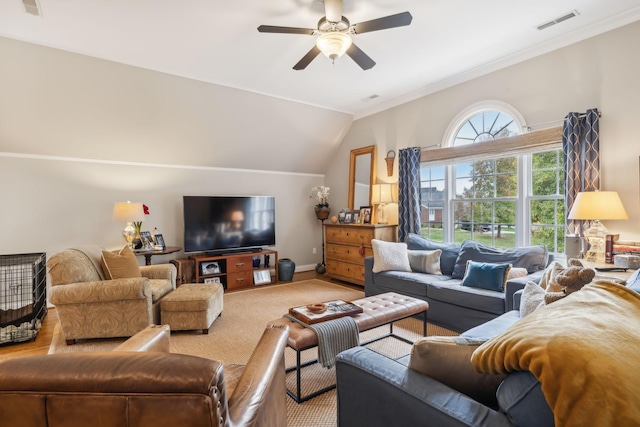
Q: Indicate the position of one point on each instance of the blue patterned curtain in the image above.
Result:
(581, 147)
(408, 192)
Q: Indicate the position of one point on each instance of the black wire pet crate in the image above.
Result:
(23, 296)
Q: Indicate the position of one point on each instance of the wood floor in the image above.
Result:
(43, 340)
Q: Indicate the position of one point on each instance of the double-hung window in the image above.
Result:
(502, 198)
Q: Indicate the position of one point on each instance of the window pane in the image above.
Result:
(507, 185)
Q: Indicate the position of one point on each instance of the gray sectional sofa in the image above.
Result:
(373, 390)
(451, 305)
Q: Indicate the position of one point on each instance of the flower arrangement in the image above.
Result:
(321, 194)
(138, 224)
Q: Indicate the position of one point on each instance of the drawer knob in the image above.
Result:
(240, 264)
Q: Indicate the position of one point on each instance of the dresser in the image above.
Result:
(347, 245)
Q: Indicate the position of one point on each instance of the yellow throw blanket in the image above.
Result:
(584, 350)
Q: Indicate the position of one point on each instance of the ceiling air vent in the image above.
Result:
(32, 7)
(569, 15)
(369, 98)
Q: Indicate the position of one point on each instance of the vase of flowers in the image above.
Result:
(137, 241)
(321, 196)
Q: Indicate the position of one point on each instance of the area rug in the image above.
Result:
(235, 334)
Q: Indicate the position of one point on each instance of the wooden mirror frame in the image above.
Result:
(371, 149)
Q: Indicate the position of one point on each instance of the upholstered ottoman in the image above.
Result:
(192, 306)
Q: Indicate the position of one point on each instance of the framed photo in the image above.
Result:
(365, 214)
(212, 280)
(146, 240)
(356, 217)
(341, 216)
(210, 268)
(261, 277)
(348, 217)
(159, 241)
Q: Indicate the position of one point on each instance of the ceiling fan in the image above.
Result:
(334, 34)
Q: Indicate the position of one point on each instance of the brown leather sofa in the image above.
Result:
(141, 384)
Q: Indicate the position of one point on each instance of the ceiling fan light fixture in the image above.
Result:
(333, 44)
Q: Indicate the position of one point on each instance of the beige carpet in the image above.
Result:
(234, 335)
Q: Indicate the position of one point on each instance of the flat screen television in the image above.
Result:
(219, 224)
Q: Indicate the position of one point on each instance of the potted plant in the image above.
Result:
(321, 196)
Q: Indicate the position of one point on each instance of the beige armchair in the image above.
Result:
(88, 306)
(140, 384)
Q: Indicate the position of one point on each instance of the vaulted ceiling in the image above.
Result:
(449, 41)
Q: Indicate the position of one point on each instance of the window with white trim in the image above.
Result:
(501, 200)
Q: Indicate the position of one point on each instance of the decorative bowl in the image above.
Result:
(317, 308)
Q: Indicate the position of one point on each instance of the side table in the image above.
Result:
(148, 254)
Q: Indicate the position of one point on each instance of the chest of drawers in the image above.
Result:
(347, 245)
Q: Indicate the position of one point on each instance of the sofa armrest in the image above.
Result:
(160, 271)
(374, 390)
(137, 288)
(260, 397)
(151, 338)
(517, 299)
(514, 285)
(368, 271)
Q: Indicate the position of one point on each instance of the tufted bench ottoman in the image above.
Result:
(192, 306)
(377, 310)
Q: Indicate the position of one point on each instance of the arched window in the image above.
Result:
(502, 200)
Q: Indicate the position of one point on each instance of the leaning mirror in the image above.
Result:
(362, 175)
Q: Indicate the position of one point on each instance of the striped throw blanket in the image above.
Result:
(334, 336)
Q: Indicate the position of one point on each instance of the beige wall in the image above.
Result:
(600, 72)
(78, 134)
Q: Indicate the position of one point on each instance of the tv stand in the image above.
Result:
(235, 270)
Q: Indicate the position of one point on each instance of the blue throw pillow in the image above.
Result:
(533, 258)
(449, 254)
(486, 276)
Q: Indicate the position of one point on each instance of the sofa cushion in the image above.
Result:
(408, 282)
(517, 272)
(486, 275)
(520, 397)
(389, 256)
(533, 258)
(425, 261)
(450, 291)
(449, 251)
(448, 360)
(121, 265)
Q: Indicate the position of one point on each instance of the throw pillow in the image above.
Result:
(449, 251)
(121, 265)
(389, 256)
(532, 298)
(548, 279)
(486, 275)
(448, 360)
(533, 258)
(517, 272)
(425, 261)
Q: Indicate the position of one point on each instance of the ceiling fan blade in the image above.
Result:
(284, 30)
(360, 58)
(391, 21)
(306, 60)
(333, 10)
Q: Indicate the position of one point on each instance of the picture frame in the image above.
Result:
(261, 277)
(348, 217)
(341, 216)
(159, 241)
(356, 217)
(210, 268)
(146, 240)
(365, 214)
(212, 280)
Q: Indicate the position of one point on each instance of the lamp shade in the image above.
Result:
(602, 205)
(383, 193)
(128, 212)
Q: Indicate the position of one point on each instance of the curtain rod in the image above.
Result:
(553, 122)
(429, 146)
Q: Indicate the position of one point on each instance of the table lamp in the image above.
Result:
(596, 206)
(128, 212)
(381, 194)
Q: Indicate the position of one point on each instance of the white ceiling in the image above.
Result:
(216, 41)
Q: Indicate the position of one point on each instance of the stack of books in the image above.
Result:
(614, 246)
